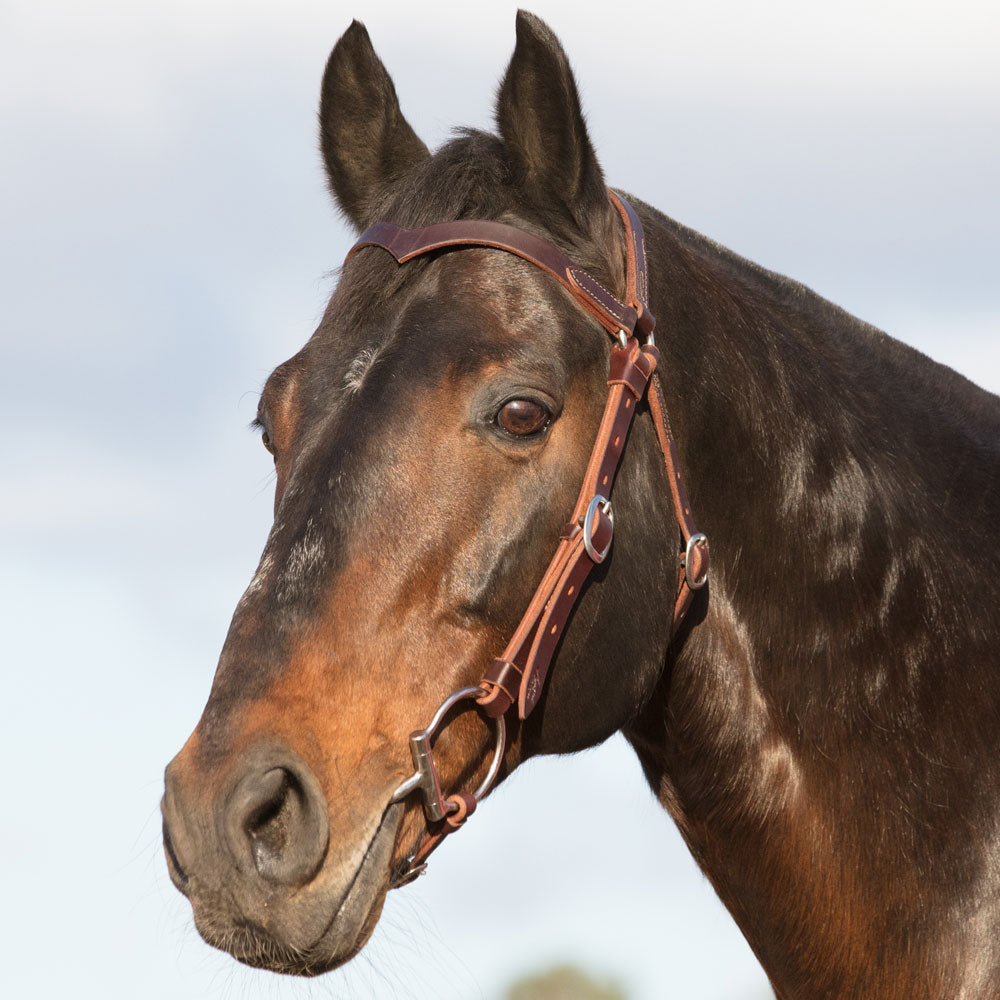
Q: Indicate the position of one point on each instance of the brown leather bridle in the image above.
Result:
(519, 673)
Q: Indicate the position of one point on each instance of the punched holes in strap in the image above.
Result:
(550, 629)
(629, 374)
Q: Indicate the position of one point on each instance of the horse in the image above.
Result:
(817, 711)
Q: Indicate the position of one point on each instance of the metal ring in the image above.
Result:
(499, 746)
(622, 339)
(425, 779)
(696, 539)
(588, 527)
(453, 699)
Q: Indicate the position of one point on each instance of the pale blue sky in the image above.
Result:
(167, 236)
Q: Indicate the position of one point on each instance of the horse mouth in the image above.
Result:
(174, 869)
(354, 906)
(253, 946)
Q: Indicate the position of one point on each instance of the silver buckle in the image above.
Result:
(588, 527)
(696, 539)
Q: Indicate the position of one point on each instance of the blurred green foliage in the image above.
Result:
(564, 982)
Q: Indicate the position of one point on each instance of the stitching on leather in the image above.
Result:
(645, 274)
(619, 315)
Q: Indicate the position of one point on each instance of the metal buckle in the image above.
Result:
(588, 527)
(696, 539)
(425, 777)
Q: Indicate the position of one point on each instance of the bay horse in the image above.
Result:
(822, 724)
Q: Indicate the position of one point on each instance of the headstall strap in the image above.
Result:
(518, 674)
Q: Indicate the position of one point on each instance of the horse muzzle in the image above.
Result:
(265, 880)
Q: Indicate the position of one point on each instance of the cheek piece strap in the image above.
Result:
(518, 674)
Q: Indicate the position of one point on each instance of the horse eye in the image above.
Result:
(523, 417)
(265, 440)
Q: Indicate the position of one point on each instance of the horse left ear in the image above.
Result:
(366, 142)
(540, 119)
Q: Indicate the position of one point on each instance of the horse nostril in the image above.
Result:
(277, 814)
(268, 825)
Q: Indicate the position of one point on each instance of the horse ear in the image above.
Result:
(540, 119)
(366, 142)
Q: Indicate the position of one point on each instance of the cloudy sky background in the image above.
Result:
(167, 239)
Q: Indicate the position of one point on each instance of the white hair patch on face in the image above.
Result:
(307, 554)
(306, 558)
(358, 369)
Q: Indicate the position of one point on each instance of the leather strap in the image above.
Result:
(405, 244)
(636, 268)
(695, 552)
(530, 650)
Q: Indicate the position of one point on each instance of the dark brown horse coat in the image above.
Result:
(823, 731)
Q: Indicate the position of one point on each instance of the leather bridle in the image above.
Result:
(518, 675)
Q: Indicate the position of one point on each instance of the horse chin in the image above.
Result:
(318, 928)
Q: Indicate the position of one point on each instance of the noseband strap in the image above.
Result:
(518, 674)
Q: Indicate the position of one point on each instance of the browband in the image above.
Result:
(632, 317)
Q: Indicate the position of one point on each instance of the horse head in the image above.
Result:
(428, 440)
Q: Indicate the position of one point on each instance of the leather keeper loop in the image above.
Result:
(504, 675)
(631, 368)
(496, 702)
(645, 323)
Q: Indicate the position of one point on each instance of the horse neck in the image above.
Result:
(774, 736)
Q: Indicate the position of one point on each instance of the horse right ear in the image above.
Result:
(540, 120)
(366, 142)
